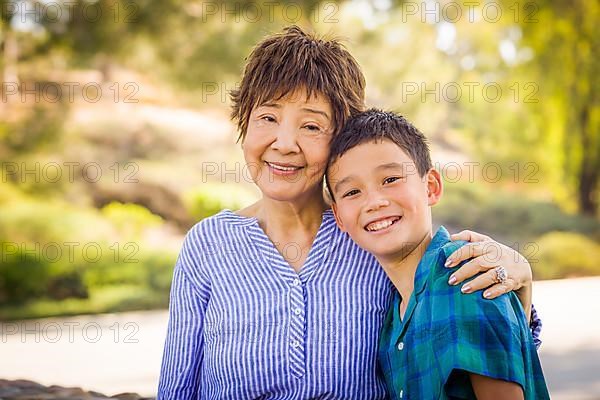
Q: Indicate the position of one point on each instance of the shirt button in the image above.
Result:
(400, 346)
(297, 311)
(296, 282)
(295, 343)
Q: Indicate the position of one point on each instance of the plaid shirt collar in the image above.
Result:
(439, 241)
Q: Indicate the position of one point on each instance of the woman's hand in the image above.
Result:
(487, 254)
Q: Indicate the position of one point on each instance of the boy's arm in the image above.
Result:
(487, 388)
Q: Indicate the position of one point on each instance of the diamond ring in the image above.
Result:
(501, 274)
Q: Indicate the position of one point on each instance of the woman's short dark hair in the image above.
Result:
(285, 62)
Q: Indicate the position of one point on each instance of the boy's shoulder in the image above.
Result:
(438, 270)
(505, 307)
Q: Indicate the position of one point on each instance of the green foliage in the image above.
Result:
(557, 244)
(505, 216)
(43, 222)
(210, 198)
(159, 271)
(29, 271)
(565, 255)
(37, 127)
(36, 257)
(148, 268)
(9, 194)
(22, 277)
(130, 219)
(567, 63)
(101, 300)
(46, 269)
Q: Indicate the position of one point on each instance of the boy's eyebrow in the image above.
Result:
(341, 182)
(392, 165)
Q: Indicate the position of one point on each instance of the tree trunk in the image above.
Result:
(590, 165)
(11, 55)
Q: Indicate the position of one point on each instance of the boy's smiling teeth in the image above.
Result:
(381, 224)
(282, 167)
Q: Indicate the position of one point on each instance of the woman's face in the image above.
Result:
(287, 145)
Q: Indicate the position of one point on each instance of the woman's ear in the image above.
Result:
(338, 221)
(434, 187)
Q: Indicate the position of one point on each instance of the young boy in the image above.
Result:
(436, 342)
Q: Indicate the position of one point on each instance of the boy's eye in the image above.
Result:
(351, 193)
(391, 179)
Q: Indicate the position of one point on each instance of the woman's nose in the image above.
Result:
(286, 140)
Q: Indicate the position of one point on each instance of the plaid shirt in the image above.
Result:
(445, 333)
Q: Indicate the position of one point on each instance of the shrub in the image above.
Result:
(565, 255)
(22, 277)
(210, 198)
(36, 262)
(130, 219)
(505, 216)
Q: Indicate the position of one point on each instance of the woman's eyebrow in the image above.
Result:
(315, 111)
(270, 104)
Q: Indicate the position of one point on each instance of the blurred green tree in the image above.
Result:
(565, 39)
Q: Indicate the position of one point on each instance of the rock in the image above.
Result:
(28, 390)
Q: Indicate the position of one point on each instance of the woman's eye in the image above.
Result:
(313, 128)
(391, 179)
(268, 118)
(351, 193)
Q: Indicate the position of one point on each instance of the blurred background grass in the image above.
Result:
(98, 191)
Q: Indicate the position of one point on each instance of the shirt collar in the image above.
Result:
(429, 259)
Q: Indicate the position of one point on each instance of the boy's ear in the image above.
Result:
(338, 221)
(434, 187)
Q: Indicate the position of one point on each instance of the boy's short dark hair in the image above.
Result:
(294, 59)
(376, 125)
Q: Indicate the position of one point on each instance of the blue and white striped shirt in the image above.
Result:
(244, 325)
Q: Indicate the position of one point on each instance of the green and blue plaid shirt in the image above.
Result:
(446, 334)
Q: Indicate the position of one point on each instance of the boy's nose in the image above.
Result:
(376, 201)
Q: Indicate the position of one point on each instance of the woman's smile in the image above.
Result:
(283, 169)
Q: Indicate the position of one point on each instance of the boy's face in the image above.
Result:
(380, 199)
(287, 145)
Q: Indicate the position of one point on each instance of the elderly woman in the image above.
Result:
(274, 301)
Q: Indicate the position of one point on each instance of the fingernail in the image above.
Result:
(452, 280)
(448, 262)
(465, 289)
(487, 295)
